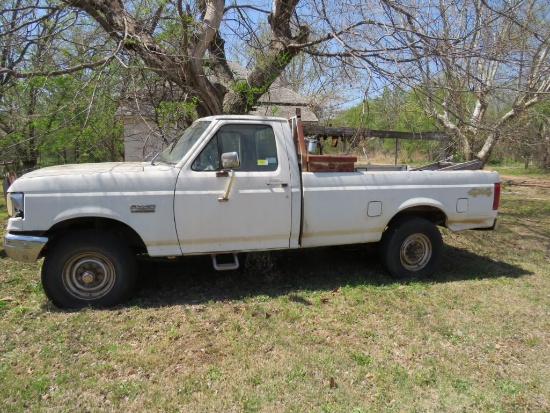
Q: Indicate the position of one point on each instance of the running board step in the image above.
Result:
(226, 266)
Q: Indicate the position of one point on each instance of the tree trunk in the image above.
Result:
(545, 147)
(485, 152)
(202, 41)
(30, 152)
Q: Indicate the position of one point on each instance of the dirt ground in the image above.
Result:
(525, 181)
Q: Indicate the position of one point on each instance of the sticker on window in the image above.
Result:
(263, 162)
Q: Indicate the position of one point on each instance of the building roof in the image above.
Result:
(281, 101)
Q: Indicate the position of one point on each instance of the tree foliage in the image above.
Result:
(54, 106)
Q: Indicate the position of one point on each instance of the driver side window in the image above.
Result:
(255, 145)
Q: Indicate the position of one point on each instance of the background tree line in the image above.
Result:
(478, 70)
(525, 140)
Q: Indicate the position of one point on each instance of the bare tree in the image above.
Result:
(478, 65)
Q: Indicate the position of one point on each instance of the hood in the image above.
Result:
(97, 177)
(87, 168)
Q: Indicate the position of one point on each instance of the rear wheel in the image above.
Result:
(88, 268)
(411, 248)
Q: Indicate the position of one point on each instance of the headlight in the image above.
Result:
(16, 204)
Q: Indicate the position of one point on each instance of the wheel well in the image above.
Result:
(125, 233)
(432, 214)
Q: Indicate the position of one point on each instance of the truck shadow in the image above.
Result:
(192, 280)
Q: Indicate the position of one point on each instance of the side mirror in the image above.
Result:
(230, 160)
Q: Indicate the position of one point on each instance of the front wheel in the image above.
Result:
(89, 268)
(411, 248)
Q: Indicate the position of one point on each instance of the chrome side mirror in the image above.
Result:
(230, 160)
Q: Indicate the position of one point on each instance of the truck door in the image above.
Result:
(256, 213)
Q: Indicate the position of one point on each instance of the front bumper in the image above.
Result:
(24, 248)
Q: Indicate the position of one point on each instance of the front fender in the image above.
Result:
(86, 212)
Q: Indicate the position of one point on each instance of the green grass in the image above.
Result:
(520, 171)
(324, 331)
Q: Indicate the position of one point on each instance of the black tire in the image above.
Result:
(411, 248)
(89, 268)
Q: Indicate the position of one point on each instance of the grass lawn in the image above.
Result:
(324, 331)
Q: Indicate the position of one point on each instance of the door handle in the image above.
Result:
(275, 183)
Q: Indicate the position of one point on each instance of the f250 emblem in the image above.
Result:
(142, 208)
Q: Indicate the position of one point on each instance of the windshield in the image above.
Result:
(176, 151)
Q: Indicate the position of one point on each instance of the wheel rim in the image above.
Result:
(416, 252)
(89, 276)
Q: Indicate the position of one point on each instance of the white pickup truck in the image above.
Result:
(231, 184)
